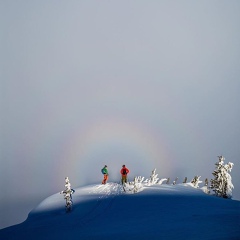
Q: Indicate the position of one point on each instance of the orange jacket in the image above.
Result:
(126, 170)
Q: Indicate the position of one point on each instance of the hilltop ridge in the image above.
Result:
(156, 212)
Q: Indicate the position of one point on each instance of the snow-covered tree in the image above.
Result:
(195, 181)
(137, 184)
(175, 181)
(68, 194)
(222, 182)
(153, 178)
(162, 180)
(139, 179)
(168, 180)
(205, 187)
(206, 182)
(185, 180)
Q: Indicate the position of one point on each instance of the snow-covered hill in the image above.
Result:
(156, 212)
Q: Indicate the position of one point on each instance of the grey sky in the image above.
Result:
(87, 83)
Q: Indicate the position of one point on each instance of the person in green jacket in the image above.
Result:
(105, 174)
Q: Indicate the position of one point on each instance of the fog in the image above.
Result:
(87, 83)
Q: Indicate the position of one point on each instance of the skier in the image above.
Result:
(105, 174)
(124, 171)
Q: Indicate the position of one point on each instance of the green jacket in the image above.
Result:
(105, 171)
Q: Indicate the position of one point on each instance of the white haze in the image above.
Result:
(149, 84)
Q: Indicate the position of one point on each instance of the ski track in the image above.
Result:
(107, 193)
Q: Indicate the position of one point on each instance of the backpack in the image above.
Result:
(124, 171)
(102, 171)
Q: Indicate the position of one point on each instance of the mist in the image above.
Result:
(88, 83)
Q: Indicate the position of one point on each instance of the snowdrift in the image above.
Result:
(156, 212)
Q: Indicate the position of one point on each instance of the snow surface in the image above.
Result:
(156, 212)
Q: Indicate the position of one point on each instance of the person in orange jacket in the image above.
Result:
(124, 172)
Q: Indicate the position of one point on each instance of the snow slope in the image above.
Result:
(156, 212)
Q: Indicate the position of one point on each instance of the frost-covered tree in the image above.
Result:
(205, 187)
(168, 180)
(135, 186)
(206, 182)
(153, 178)
(195, 181)
(68, 195)
(162, 180)
(138, 179)
(222, 182)
(185, 180)
(175, 181)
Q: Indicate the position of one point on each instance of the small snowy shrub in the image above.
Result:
(168, 180)
(162, 180)
(135, 186)
(195, 181)
(222, 182)
(153, 178)
(205, 189)
(206, 182)
(185, 180)
(175, 181)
